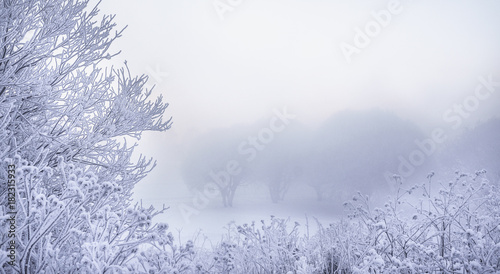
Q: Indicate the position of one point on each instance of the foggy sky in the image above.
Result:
(287, 53)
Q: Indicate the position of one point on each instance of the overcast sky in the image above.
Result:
(235, 64)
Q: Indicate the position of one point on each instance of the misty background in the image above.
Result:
(227, 68)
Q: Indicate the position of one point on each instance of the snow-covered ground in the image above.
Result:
(250, 204)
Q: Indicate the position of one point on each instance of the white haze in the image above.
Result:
(268, 55)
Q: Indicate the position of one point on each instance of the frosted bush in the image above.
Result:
(454, 230)
(78, 228)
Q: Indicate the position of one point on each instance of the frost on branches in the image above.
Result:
(86, 228)
(56, 101)
(64, 121)
(453, 230)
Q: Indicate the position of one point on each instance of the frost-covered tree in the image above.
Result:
(60, 108)
(55, 98)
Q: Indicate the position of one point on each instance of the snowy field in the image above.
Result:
(211, 222)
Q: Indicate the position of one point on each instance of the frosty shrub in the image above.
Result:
(265, 248)
(337, 247)
(452, 228)
(64, 125)
(86, 228)
(57, 100)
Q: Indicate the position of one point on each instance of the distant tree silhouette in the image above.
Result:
(352, 150)
(208, 160)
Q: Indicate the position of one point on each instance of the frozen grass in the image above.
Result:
(434, 227)
(455, 229)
